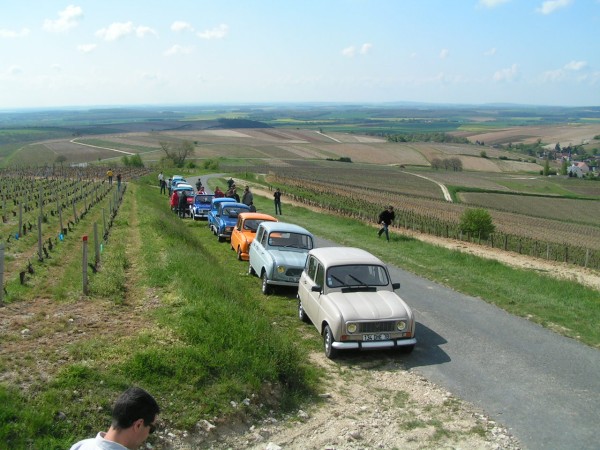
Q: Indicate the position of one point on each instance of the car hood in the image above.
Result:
(289, 258)
(369, 305)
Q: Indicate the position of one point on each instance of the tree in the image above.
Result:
(477, 222)
(563, 167)
(60, 159)
(177, 153)
(546, 171)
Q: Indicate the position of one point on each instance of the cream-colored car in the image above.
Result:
(348, 295)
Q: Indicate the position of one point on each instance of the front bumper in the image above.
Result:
(392, 343)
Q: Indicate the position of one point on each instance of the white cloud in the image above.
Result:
(490, 52)
(118, 30)
(86, 48)
(178, 50)
(576, 65)
(444, 53)
(10, 34)
(180, 25)
(143, 31)
(349, 52)
(566, 72)
(365, 48)
(214, 33)
(492, 3)
(508, 74)
(352, 51)
(67, 19)
(549, 6)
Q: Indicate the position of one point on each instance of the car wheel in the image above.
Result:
(301, 313)
(250, 269)
(239, 253)
(266, 289)
(328, 341)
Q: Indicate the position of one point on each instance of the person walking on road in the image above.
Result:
(386, 218)
(277, 200)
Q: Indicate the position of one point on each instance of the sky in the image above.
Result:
(157, 52)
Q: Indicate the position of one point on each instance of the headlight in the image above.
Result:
(281, 269)
(401, 325)
(352, 327)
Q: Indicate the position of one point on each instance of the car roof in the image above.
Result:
(222, 199)
(234, 205)
(258, 216)
(334, 256)
(183, 187)
(284, 227)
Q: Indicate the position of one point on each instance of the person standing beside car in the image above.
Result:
(386, 217)
(247, 198)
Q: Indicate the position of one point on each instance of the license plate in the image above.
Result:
(376, 337)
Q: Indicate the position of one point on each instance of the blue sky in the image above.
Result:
(118, 52)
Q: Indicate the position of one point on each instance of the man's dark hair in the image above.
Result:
(133, 404)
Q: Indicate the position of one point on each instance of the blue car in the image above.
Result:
(200, 208)
(225, 219)
(213, 214)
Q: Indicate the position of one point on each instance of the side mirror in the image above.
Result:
(396, 286)
(316, 288)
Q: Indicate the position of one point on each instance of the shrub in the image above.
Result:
(477, 222)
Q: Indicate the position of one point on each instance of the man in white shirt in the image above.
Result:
(133, 420)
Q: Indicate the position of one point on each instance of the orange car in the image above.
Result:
(245, 231)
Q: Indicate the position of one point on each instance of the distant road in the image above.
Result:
(73, 141)
(444, 189)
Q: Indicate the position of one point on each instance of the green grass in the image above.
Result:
(214, 338)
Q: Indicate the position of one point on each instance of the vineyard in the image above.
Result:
(347, 192)
(45, 214)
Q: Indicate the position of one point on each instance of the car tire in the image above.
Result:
(265, 287)
(328, 341)
(239, 254)
(301, 313)
(250, 269)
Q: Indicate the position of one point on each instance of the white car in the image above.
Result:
(348, 295)
(278, 253)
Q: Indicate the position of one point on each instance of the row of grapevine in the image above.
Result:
(353, 202)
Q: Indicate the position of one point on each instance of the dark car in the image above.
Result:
(223, 222)
(200, 208)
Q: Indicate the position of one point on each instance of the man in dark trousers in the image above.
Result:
(385, 219)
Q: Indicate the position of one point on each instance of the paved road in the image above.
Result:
(545, 388)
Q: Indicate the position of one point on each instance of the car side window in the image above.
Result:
(320, 276)
(263, 241)
(238, 226)
(312, 268)
(259, 235)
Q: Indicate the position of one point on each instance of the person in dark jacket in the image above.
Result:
(183, 204)
(385, 220)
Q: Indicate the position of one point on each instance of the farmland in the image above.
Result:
(299, 148)
(146, 303)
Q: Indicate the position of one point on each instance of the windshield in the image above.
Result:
(357, 275)
(290, 240)
(204, 198)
